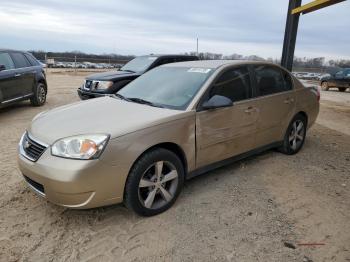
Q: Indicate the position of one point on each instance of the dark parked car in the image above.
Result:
(101, 84)
(22, 77)
(340, 80)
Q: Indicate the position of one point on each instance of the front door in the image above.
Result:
(8, 82)
(225, 132)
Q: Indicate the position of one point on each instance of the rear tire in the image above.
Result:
(295, 136)
(341, 89)
(324, 86)
(154, 182)
(39, 97)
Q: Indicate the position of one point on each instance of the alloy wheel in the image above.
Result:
(158, 185)
(325, 86)
(297, 134)
(41, 94)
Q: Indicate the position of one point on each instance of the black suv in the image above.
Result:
(110, 82)
(340, 80)
(21, 77)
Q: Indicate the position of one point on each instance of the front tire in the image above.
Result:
(324, 86)
(39, 97)
(341, 89)
(295, 135)
(154, 182)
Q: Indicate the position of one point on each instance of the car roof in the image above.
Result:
(11, 50)
(216, 63)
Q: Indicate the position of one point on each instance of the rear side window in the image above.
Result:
(6, 61)
(270, 80)
(32, 60)
(287, 80)
(20, 60)
(234, 84)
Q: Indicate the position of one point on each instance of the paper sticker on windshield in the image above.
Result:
(152, 58)
(199, 70)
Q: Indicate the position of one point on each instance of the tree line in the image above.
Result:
(318, 62)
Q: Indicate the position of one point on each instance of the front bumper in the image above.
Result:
(79, 184)
(86, 94)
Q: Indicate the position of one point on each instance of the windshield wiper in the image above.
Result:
(120, 97)
(127, 70)
(142, 101)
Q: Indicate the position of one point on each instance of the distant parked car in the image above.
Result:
(340, 80)
(323, 76)
(22, 77)
(102, 84)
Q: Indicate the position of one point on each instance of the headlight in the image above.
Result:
(101, 85)
(80, 147)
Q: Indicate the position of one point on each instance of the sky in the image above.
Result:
(136, 27)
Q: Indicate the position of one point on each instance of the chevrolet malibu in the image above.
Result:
(175, 122)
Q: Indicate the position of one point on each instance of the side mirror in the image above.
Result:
(2, 67)
(217, 102)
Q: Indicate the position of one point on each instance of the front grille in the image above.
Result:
(35, 185)
(32, 149)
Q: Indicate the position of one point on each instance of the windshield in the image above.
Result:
(170, 87)
(139, 64)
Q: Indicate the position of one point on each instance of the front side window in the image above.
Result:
(19, 60)
(339, 74)
(139, 64)
(6, 61)
(170, 87)
(234, 84)
(270, 80)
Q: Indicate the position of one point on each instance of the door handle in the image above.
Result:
(250, 110)
(289, 101)
(17, 75)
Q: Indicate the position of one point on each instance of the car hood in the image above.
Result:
(104, 115)
(111, 75)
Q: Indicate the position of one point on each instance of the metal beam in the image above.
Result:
(314, 5)
(290, 35)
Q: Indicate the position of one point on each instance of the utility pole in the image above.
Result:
(75, 64)
(290, 35)
(294, 10)
(197, 46)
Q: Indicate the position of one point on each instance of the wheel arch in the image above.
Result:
(173, 147)
(43, 81)
(304, 114)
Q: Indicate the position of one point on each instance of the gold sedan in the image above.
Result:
(174, 122)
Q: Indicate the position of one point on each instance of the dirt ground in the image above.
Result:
(265, 208)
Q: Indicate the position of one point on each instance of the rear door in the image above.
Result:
(25, 73)
(8, 82)
(276, 103)
(342, 79)
(225, 132)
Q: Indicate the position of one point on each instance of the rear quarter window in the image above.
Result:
(32, 60)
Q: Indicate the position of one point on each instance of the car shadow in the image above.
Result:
(16, 107)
